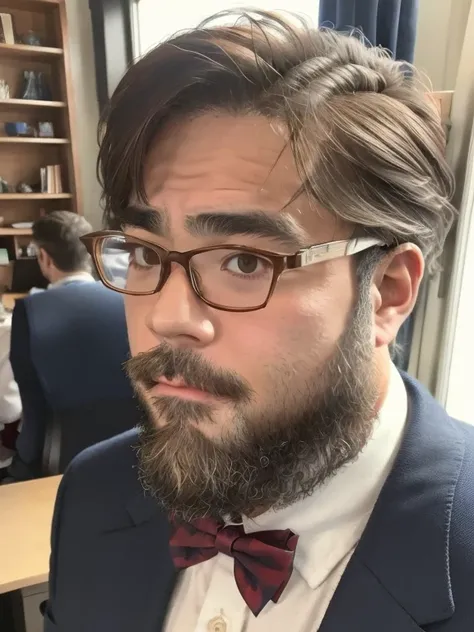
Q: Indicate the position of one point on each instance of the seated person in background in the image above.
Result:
(10, 402)
(61, 257)
(67, 350)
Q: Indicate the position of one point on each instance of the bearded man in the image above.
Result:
(274, 194)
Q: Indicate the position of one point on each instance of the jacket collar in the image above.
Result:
(78, 277)
(142, 507)
(404, 551)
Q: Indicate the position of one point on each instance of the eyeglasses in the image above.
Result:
(230, 278)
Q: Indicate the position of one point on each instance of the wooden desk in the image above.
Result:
(9, 298)
(26, 512)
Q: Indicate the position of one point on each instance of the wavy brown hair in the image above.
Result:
(367, 140)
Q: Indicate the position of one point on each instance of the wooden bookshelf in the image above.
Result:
(15, 231)
(15, 51)
(22, 157)
(21, 197)
(24, 104)
(40, 141)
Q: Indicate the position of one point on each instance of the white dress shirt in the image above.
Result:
(10, 402)
(329, 523)
(84, 277)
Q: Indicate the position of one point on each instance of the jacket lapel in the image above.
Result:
(398, 579)
(133, 583)
(134, 574)
(362, 604)
(158, 574)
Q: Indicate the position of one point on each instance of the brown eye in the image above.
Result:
(145, 257)
(246, 264)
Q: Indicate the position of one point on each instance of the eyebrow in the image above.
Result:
(282, 228)
(279, 227)
(150, 219)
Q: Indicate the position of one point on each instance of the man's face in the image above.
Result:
(261, 376)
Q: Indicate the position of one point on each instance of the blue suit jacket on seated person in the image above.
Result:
(67, 350)
(413, 569)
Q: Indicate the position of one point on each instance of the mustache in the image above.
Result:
(166, 361)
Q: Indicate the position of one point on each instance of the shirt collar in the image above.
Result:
(85, 277)
(331, 521)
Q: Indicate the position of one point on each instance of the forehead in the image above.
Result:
(226, 162)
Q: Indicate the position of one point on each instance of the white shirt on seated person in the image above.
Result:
(10, 402)
(84, 277)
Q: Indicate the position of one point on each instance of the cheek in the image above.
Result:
(291, 336)
(139, 335)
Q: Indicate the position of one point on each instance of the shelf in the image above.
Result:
(32, 5)
(35, 140)
(36, 52)
(35, 196)
(30, 103)
(4, 232)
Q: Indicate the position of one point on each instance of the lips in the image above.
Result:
(177, 387)
(177, 382)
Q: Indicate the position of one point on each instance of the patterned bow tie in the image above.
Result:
(263, 562)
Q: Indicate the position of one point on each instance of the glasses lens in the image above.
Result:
(232, 278)
(129, 265)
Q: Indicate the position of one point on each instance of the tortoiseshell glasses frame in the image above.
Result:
(280, 262)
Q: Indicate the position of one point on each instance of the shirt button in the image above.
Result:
(217, 624)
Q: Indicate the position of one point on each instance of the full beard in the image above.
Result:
(274, 456)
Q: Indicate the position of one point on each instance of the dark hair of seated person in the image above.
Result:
(59, 233)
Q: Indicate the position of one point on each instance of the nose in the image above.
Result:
(178, 316)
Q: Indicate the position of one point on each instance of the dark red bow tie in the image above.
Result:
(263, 562)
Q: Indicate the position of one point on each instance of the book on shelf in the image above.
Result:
(51, 180)
(4, 259)
(7, 33)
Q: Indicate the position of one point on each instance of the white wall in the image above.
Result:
(455, 384)
(158, 21)
(87, 111)
(440, 35)
(459, 389)
(432, 39)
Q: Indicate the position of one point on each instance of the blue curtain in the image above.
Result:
(387, 23)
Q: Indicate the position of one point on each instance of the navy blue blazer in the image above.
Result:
(413, 569)
(68, 345)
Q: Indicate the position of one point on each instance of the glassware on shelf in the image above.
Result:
(35, 86)
(44, 90)
(19, 128)
(23, 187)
(45, 129)
(30, 38)
(30, 86)
(4, 89)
